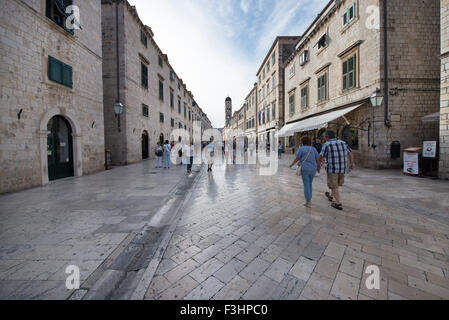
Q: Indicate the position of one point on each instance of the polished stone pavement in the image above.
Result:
(94, 222)
(240, 236)
(246, 236)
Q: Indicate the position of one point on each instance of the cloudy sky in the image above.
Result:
(217, 46)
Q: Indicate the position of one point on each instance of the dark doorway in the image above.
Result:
(145, 146)
(59, 149)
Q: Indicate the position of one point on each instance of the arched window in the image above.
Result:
(351, 136)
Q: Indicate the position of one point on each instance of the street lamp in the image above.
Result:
(118, 110)
(376, 101)
(377, 98)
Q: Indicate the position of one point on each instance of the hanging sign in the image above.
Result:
(429, 149)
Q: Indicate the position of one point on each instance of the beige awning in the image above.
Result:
(313, 123)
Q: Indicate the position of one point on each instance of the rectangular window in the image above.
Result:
(172, 75)
(161, 90)
(349, 75)
(172, 122)
(273, 59)
(268, 114)
(161, 117)
(172, 100)
(185, 112)
(273, 110)
(179, 86)
(161, 62)
(268, 67)
(349, 15)
(322, 42)
(291, 71)
(190, 115)
(145, 110)
(268, 86)
(60, 72)
(263, 74)
(273, 81)
(143, 38)
(304, 58)
(304, 97)
(179, 106)
(322, 88)
(291, 103)
(56, 11)
(144, 72)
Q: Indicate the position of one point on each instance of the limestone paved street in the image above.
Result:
(240, 236)
(245, 236)
(109, 224)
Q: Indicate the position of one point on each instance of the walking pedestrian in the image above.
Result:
(189, 152)
(318, 145)
(338, 158)
(167, 152)
(158, 155)
(280, 150)
(308, 160)
(210, 153)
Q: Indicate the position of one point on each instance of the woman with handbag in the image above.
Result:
(159, 153)
(308, 165)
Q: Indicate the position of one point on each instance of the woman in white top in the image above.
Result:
(189, 153)
(167, 151)
(158, 155)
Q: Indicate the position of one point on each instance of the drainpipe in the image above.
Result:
(386, 88)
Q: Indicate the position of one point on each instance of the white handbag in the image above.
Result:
(299, 168)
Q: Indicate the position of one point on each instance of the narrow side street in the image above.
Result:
(245, 236)
(108, 224)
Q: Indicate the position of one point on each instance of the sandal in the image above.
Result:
(328, 195)
(337, 206)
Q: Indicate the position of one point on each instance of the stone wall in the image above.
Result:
(444, 120)
(413, 74)
(126, 146)
(27, 38)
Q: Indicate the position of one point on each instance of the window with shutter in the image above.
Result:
(144, 71)
(349, 76)
(143, 38)
(56, 11)
(60, 72)
(161, 90)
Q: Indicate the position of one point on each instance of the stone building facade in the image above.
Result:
(51, 93)
(341, 61)
(444, 113)
(251, 123)
(270, 88)
(156, 100)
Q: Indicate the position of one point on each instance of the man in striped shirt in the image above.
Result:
(339, 158)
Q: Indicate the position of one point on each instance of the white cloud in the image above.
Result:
(245, 5)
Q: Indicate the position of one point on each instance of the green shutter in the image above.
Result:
(55, 69)
(67, 76)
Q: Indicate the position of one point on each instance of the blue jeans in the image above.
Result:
(307, 179)
(166, 159)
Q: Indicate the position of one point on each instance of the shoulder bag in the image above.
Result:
(299, 168)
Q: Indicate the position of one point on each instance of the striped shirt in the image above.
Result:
(336, 154)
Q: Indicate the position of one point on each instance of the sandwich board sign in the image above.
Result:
(429, 149)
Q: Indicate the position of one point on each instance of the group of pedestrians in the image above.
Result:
(337, 158)
(163, 152)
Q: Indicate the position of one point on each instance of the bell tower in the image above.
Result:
(228, 110)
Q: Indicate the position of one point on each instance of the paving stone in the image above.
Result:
(179, 290)
(181, 270)
(158, 285)
(279, 269)
(408, 292)
(345, 287)
(229, 270)
(262, 289)
(255, 269)
(429, 287)
(303, 269)
(185, 254)
(229, 253)
(318, 288)
(271, 253)
(165, 266)
(249, 253)
(234, 289)
(352, 266)
(327, 267)
(290, 288)
(207, 254)
(205, 270)
(206, 290)
(420, 265)
(335, 250)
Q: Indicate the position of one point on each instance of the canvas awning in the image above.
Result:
(313, 123)
(434, 117)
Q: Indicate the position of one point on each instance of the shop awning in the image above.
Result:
(434, 117)
(313, 123)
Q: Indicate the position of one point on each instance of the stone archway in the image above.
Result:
(76, 142)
